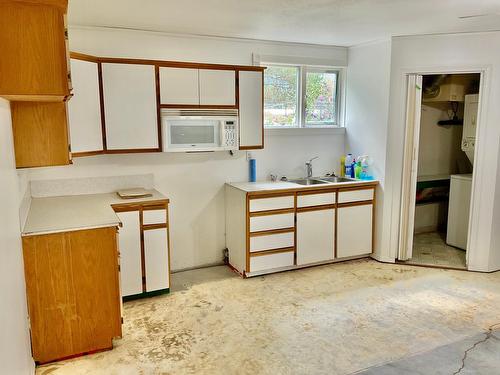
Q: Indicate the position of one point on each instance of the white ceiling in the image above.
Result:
(331, 22)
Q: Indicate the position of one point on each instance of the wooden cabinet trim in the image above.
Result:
(273, 212)
(272, 251)
(271, 231)
(316, 208)
(356, 203)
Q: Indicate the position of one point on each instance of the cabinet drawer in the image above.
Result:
(355, 195)
(309, 200)
(275, 203)
(272, 241)
(267, 262)
(269, 222)
(154, 217)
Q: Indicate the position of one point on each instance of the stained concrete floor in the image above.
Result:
(336, 319)
(431, 249)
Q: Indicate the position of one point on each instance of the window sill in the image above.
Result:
(305, 131)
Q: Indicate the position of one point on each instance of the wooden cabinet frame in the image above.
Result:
(157, 64)
(295, 193)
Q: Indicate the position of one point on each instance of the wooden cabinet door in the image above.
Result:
(40, 134)
(73, 292)
(179, 86)
(33, 65)
(217, 87)
(131, 116)
(156, 259)
(251, 110)
(315, 236)
(130, 253)
(354, 230)
(84, 108)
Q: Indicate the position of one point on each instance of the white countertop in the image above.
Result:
(76, 212)
(286, 185)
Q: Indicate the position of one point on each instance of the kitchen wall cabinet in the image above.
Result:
(217, 87)
(34, 64)
(73, 292)
(84, 108)
(131, 117)
(251, 110)
(144, 249)
(269, 231)
(179, 86)
(40, 132)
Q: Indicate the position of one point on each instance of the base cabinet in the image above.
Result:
(144, 250)
(315, 236)
(354, 230)
(73, 292)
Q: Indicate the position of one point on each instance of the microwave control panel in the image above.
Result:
(231, 134)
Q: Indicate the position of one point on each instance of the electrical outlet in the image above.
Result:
(249, 155)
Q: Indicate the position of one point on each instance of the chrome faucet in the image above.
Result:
(309, 166)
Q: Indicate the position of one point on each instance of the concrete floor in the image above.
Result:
(431, 249)
(336, 319)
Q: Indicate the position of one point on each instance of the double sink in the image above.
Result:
(321, 180)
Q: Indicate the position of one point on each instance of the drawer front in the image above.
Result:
(154, 216)
(309, 200)
(264, 204)
(269, 222)
(355, 195)
(272, 241)
(268, 262)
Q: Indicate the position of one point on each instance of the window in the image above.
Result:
(300, 96)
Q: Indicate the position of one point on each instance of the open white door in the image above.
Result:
(410, 164)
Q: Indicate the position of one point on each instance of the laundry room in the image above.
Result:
(446, 144)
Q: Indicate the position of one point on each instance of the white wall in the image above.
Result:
(367, 106)
(194, 182)
(15, 349)
(441, 53)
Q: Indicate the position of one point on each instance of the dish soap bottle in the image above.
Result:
(349, 163)
(342, 166)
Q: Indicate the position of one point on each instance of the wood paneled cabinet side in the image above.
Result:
(73, 292)
(34, 64)
(40, 132)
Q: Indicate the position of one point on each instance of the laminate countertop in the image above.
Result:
(78, 212)
(264, 186)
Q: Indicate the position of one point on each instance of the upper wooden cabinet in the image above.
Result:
(197, 87)
(33, 39)
(179, 86)
(131, 114)
(251, 110)
(84, 108)
(40, 134)
(217, 87)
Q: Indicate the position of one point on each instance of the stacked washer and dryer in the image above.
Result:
(461, 184)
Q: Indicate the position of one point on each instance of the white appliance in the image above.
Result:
(470, 125)
(458, 210)
(196, 130)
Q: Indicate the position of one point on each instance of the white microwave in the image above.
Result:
(193, 130)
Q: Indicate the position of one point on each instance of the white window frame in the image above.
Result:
(303, 69)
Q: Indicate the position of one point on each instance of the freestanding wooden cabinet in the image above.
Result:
(34, 63)
(144, 249)
(73, 292)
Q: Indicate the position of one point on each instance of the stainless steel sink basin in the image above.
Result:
(308, 181)
(336, 179)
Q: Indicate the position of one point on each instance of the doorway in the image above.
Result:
(441, 127)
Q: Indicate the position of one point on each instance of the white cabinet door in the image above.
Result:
(130, 253)
(130, 106)
(354, 230)
(156, 256)
(84, 108)
(315, 236)
(251, 109)
(217, 87)
(179, 86)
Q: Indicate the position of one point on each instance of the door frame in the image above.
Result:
(478, 170)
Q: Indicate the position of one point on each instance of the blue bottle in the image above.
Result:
(349, 166)
(252, 170)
